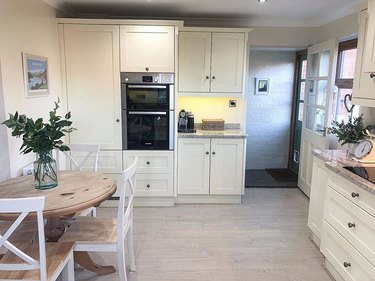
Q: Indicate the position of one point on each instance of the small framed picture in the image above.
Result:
(35, 71)
(262, 86)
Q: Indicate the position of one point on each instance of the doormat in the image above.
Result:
(283, 175)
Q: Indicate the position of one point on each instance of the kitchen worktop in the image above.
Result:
(227, 133)
(337, 159)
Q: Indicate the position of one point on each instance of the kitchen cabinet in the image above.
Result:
(147, 48)
(92, 81)
(210, 166)
(364, 78)
(154, 172)
(317, 197)
(212, 63)
(348, 230)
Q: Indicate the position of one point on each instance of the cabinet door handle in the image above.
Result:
(148, 186)
(213, 77)
(207, 152)
(118, 120)
(355, 194)
(148, 162)
(207, 77)
(372, 75)
(147, 69)
(214, 153)
(350, 224)
(347, 264)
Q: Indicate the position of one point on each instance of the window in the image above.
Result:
(344, 81)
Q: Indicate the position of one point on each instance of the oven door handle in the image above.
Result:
(146, 87)
(146, 113)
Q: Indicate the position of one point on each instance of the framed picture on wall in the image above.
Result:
(35, 71)
(262, 86)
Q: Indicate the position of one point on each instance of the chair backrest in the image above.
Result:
(86, 151)
(125, 206)
(24, 206)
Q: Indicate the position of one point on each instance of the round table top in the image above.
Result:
(76, 191)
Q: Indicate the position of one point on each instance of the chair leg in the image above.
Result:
(68, 271)
(121, 262)
(130, 249)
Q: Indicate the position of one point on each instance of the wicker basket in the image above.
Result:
(213, 124)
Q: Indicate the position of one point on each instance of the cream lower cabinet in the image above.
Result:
(154, 172)
(210, 166)
(348, 232)
(212, 63)
(317, 197)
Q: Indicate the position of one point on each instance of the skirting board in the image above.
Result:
(315, 239)
(208, 199)
(144, 202)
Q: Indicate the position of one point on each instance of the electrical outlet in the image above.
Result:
(232, 103)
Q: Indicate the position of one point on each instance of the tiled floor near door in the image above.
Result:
(264, 239)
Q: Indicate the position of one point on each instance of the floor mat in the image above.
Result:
(283, 175)
(261, 178)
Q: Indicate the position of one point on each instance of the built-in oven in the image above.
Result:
(147, 110)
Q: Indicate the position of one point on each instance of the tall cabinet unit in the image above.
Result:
(364, 79)
(92, 86)
(212, 62)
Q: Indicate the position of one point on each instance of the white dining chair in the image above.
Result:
(83, 156)
(33, 261)
(109, 234)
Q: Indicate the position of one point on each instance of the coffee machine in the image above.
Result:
(186, 122)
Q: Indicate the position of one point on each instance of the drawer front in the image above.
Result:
(108, 161)
(156, 162)
(154, 185)
(355, 194)
(348, 262)
(354, 224)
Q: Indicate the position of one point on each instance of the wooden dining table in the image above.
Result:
(76, 191)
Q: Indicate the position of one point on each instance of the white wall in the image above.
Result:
(4, 151)
(268, 116)
(27, 26)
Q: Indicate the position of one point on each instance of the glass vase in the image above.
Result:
(45, 171)
(351, 149)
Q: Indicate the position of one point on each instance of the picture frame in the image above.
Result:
(262, 86)
(35, 71)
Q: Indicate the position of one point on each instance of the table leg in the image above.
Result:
(54, 229)
(84, 260)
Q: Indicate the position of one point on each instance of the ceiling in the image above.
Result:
(271, 13)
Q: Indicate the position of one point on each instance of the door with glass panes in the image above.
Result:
(321, 70)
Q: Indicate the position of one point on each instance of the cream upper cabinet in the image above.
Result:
(364, 79)
(147, 48)
(227, 62)
(91, 54)
(195, 61)
(210, 166)
(212, 63)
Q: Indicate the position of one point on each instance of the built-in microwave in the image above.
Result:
(147, 111)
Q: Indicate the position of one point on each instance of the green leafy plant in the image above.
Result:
(40, 137)
(352, 131)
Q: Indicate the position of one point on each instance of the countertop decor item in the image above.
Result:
(351, 132)
(41, 138)
(213, 124)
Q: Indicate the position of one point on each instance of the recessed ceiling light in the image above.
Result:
(262, 1)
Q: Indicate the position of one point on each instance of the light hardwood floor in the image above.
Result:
(264, 239)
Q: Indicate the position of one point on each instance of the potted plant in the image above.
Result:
(41, 138)
(351, 132)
